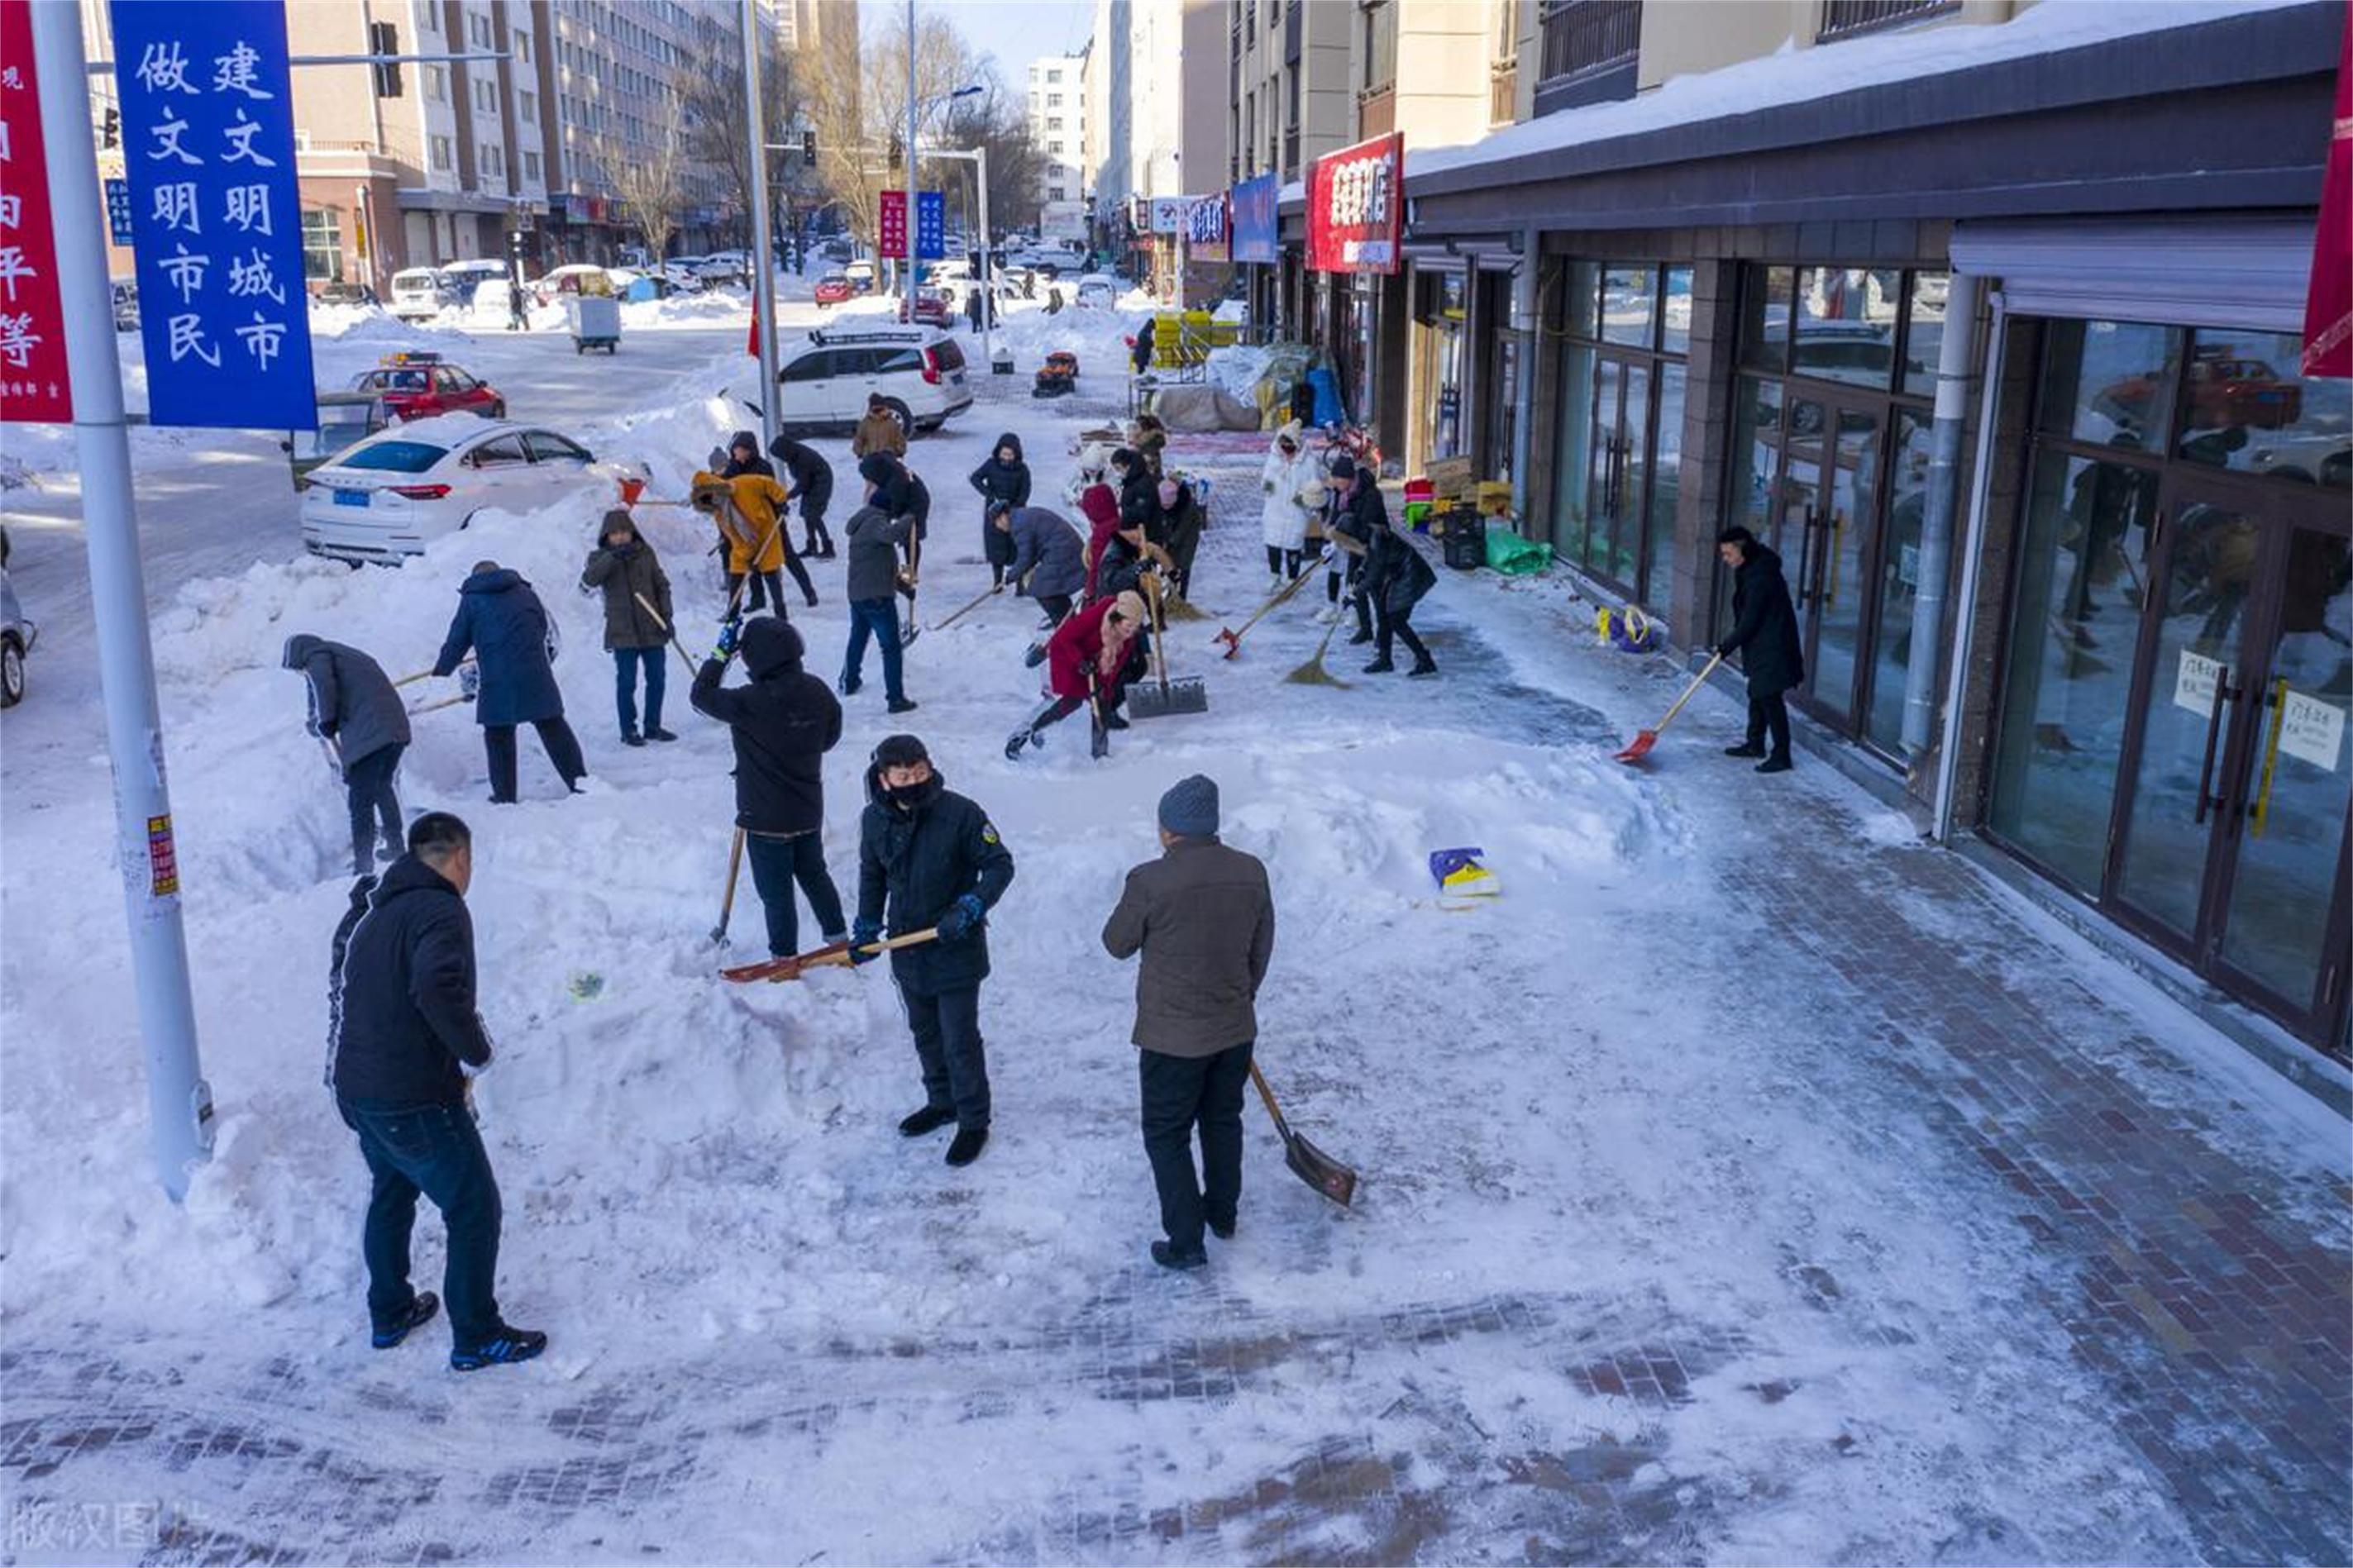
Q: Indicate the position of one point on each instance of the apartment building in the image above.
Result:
(619, 66)
(1291, 92)
(1057, 125)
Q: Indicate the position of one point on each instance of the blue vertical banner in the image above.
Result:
(216, 213)
(931, 225)
(118, 211)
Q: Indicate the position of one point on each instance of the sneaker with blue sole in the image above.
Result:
(385, 1336)
(506, 1345)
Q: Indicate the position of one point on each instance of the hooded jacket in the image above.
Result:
(898, 489)
(1180, 526)
(913, 862)
(757, 524)
(1003, 481)
(624, 575)
(1102, 509)
(784, 720)
(737, 467)
(502, 621)
(878, 432)
(1396, 576)
(1074, 653)
(811, 475)
(1283, 520)
(874, 536)
(1048, 551)
(400, 992)
(1764, 625)
(352, 702)
(1139, 500)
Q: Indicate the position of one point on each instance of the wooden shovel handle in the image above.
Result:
(1690, 692)
(1281, 1128)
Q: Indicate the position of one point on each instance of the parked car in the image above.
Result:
(339, 292)
(385, 499)
(18, 634)
(822, 389)
(861, 275)
(1098, 291)
(417, 386)
(345, 419)
(467, 278)
(835, 289)
(420, 292)
(579, 277)
(934, 307)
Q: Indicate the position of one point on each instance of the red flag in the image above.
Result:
(753, 347)
(2328, 305)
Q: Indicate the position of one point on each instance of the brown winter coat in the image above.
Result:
(878, 432)
(1204, 919)
(623, 576)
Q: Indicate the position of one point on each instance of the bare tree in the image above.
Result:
(651, 181)
(711, 103)
(999, 121)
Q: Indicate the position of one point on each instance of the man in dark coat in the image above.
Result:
(743, 458)
(785, 721)
(354, 707)
(874, 536)
(1765, 632)
(929, 857)
(624, 568)
(1049, 561)
(403, 1038)
(1004, 477)
(1142, 357)
(1203, 918)
(899, 490)
(1396, 578)
(502, 623)
(812, 481)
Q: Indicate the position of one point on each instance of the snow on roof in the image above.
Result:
(1792, 75)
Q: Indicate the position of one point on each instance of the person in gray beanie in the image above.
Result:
(1203, 917)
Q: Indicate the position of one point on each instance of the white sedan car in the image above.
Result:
(383, 498)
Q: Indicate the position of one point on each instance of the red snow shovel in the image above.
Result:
(1308, 1162)
(1233, 639)
(833, 956)
(1640, 747)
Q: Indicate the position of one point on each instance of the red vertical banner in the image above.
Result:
(34, 385)
(2328, 304)
(890, 226)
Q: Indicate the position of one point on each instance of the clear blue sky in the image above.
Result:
(1015, 31)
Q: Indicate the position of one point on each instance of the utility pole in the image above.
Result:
(179, 1102)
(907, 291)
(764, 265)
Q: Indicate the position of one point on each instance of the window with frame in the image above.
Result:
(1618, 469)
(439, 149)
(527, 107)
(1380, 44)
(437, 84)
(323, 249)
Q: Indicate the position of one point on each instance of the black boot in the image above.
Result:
(967, 1145)
(1381, 666)
(1166, 1254)
(1746, 749)
(931, 1119)
(1778, 763)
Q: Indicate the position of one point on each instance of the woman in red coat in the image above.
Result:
(1086, 659)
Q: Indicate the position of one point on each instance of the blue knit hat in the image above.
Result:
(1189, 809)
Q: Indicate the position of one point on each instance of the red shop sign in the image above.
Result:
(1356, 207)
(34, 386)
(890, 226)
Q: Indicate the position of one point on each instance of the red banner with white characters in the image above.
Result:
(1356, 207)
(2328, 304)
(34, 386)
(890, 226)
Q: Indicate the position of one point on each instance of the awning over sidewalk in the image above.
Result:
(2246, 272)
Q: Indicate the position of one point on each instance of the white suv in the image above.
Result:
(822, 388)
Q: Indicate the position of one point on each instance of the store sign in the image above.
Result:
(1253, 215)
(1167, 216)
(1204, 229)
(931, 225)
(1356, 207)
(2194, 680)
(2312, 731)
(890, 226)
(216, 215)
(34, 385)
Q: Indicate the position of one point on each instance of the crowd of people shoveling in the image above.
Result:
(405, 1035)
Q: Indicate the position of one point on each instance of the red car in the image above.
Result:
(933, 306)
(419, 385)
(836, 288)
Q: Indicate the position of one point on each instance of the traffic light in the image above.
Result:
(896, 150)
(111, 129)
(808, 148)
(384, 39)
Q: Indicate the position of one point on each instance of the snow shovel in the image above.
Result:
(832, 955)
(1166, 697)
(1312, 672)
(1233, 639)
(1640, 747)
(727, 899)
(1098, 729)
(667, 630)
(1308, 1162)
(444, 703)
(986, 594)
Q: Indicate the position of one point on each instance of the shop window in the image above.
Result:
(1617, 465)
(323, 250)
(1675, 312)
(1628, 303)
(1846, 324)
(2246, 406)
(2107, 383)
(1924, 332)
(1574, 467)
(1899, 579)
(1764, 319)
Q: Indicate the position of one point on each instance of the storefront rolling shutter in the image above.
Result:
(2247, 272)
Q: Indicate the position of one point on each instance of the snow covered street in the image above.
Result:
(1747, 1182)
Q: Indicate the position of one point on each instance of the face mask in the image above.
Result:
(907, 796)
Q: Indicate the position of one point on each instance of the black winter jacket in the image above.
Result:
(785, 721)
(1764, 625)
(921, 860)
(1003, 481)
(400, 999)
(755, 464)
(352, 703)
(1396, 576)
(811, 475)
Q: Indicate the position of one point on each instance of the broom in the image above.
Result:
(1312, 672)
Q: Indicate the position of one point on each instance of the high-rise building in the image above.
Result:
(621, 66)
(1058, 126)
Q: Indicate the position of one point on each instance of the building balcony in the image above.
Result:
(1502, 92)
(1845, 18)
(1377, 111)
(1587, 52)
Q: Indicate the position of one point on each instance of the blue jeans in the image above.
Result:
(880, 617)
(435, 1150)
(627, 662)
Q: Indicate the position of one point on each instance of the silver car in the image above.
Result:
(18, 634)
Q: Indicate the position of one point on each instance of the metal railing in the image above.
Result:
(1581, 37)
(1845, 18)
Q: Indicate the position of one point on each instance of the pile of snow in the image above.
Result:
(716, 306)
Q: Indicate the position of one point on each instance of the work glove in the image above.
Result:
(1329, 553)
(469, 680)
(966, 916)
(731, 632)
(863, 936)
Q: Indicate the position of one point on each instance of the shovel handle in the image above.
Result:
(1281, 1128)
(1690, 692)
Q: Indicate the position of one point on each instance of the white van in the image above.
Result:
(420, 293)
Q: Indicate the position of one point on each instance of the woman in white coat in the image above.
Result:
(1289, 472)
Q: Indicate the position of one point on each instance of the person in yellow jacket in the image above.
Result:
(879, 431)
(749, 511)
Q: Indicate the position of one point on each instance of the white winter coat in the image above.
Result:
(1284, 520)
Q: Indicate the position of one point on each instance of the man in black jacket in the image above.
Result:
(355, 707)
(784, 723)
(1765, 625)
(928, 858)
(403, 1038)
(1356, 511)
(812, 481)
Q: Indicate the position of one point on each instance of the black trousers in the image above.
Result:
(813, 529)
(1769, 714)
(556, 736)
(1389, 624)
(777, 863)
(946, 1026)
(1283, 560)
(1181, 1094)
(1058, 606)
(367, 789)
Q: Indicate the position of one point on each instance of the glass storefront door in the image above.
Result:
(1829, 485)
